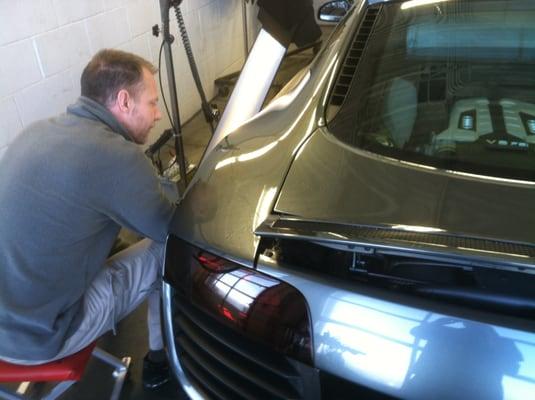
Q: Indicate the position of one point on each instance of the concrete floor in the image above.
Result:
(131, 338)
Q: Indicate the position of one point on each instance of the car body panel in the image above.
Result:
(262, 149)
(411, 348)
(284, 163)
(390, 192)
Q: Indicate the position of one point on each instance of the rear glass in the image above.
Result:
(449, 84)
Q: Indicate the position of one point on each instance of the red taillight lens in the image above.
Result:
(258, 306)
(214, 263)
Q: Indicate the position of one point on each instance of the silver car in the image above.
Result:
(371, 232)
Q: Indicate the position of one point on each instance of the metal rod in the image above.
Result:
(4, 394)
(106, 357)
(120, 369)
(177, 129)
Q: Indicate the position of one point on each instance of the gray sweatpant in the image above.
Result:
(129, 277)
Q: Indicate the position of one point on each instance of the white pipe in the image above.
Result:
(252, 86)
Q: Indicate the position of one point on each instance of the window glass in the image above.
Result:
(449, 84)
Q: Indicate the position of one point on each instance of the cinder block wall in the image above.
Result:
(44, 45)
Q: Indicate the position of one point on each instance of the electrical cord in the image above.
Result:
(155, 149)
(161, 86)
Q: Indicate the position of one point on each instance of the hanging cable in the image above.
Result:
(161, 86)
(176, 130)
(154, 150)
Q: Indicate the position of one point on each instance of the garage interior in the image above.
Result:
(49, 42)
(346, 204)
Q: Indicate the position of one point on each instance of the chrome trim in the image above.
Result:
(408, 164)
(190, 390)
(120, 370)
(331, 18)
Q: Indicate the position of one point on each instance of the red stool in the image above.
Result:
(66, 371)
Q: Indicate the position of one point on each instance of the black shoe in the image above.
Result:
(155, 374)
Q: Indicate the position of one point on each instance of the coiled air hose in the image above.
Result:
(207, 110)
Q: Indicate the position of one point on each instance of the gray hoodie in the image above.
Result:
(67, 185)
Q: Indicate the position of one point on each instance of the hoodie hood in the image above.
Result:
(87, 108)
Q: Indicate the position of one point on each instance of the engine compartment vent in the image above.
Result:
(482, 287)
(353, 56)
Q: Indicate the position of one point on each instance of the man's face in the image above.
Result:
(145, 112)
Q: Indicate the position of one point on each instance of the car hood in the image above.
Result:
(330, 181)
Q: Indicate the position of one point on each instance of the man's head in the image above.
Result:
(125, 85)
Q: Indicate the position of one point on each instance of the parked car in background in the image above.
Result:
(371, 232)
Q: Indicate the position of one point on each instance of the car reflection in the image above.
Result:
(415, 354)
(261, 308)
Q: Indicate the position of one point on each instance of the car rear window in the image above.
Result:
(448, 84)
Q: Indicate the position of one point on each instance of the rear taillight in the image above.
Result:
(262, 308)
(213, 263)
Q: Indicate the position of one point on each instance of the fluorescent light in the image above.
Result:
(252, 86)
(417, 3)
(416, 228)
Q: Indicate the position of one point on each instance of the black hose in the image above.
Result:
(193, 66)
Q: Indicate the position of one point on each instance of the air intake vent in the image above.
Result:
(224, 365)
(353, 57)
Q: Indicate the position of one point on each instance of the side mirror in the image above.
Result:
(333, 11)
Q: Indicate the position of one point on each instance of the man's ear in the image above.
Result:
(124, 101)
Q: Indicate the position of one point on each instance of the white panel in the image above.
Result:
(142, 15)
(2, 151)
(76, 74)
(75, 10)
(21, 19)
(111, 4)
(154, 44)
(109, 29)
(63, 48)
(196, 4)
(139, 46)
(47, 98)
(209, 19)
(188, 99)
(207, 71)
(195, 27)
(252, 86)
(10, 124)
(230, 29)
(19, 67)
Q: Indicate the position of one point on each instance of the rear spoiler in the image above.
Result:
(401, 240)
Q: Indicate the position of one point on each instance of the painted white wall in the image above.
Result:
(45, 44)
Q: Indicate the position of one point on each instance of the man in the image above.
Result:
(67, 185)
